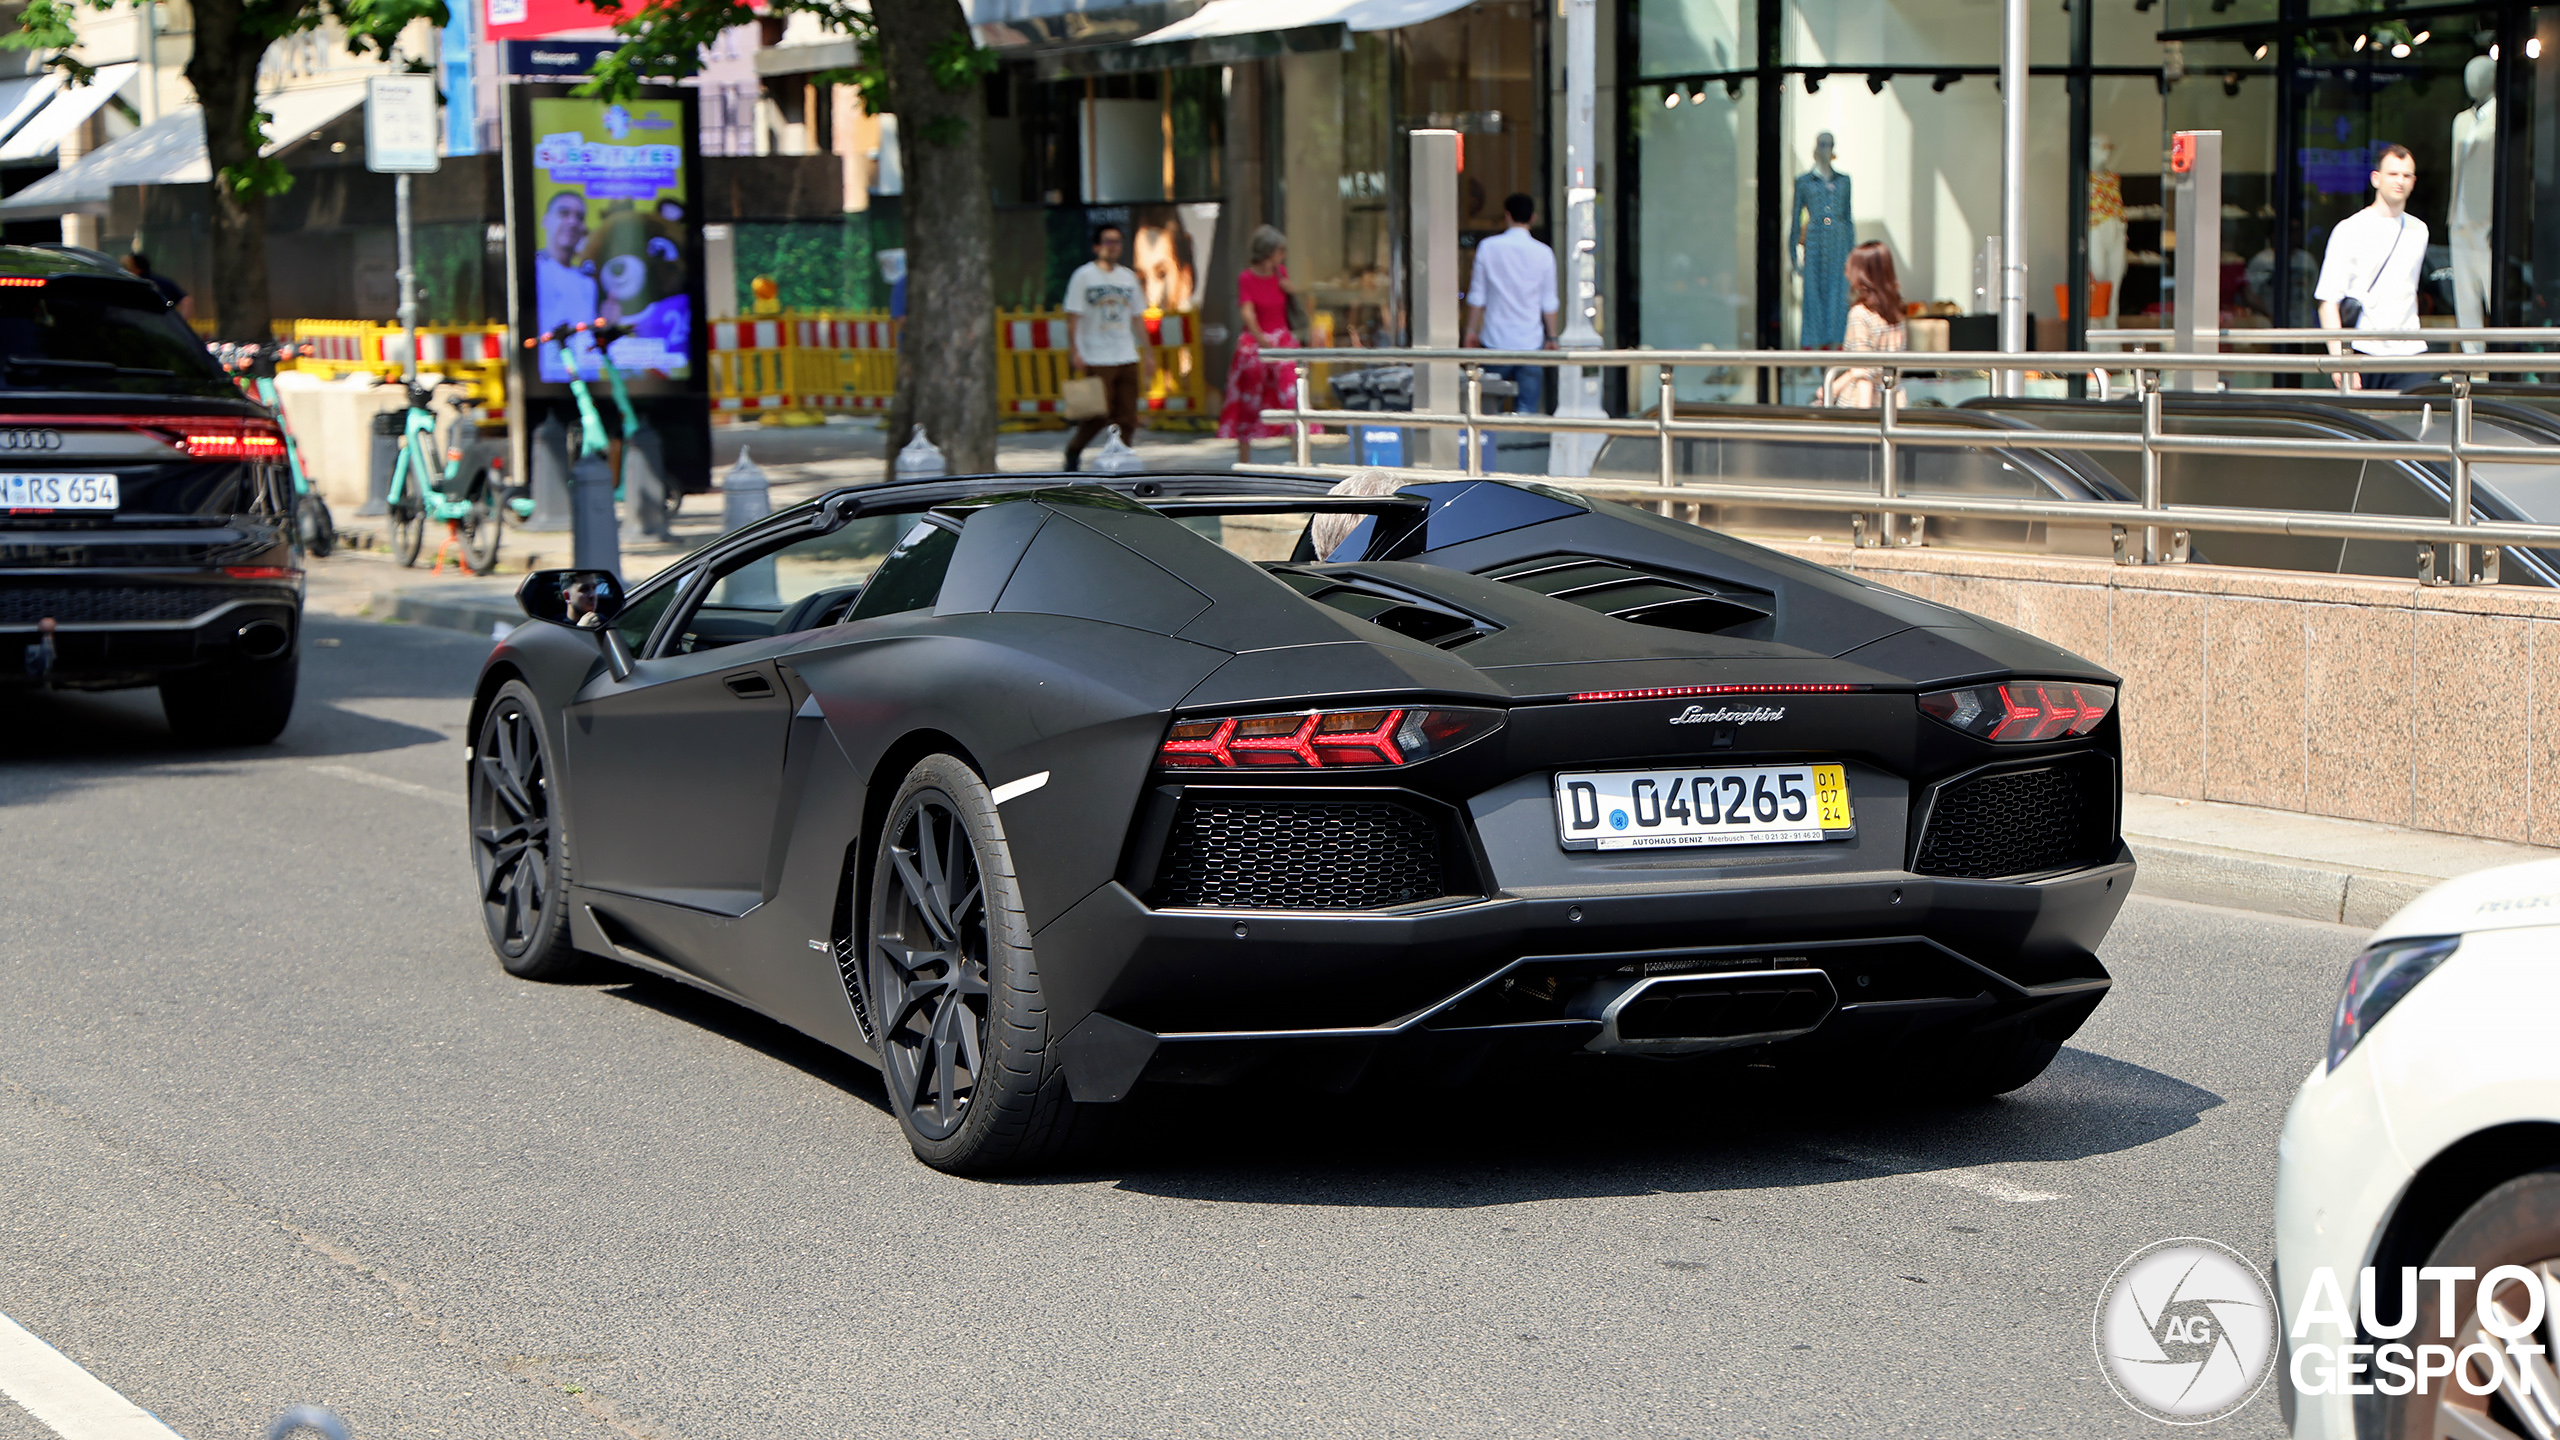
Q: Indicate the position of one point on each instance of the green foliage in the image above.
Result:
(815, 264)
(371, 27)
(665, 37)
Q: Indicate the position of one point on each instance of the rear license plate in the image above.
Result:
(1660, 809)
(58, 492)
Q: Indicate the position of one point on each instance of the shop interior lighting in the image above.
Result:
(2421, 38)
(2259, 54)
(2493, 52)
(2359, 45)
(1733, 87)
(1699, 95)
(1877, 80)
(1813, 81)
(1945, 79)
(2231, 84)
(1670, 97)
(2533, 48)
(2399, 52)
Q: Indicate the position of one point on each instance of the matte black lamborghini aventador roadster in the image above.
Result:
(1029, 791)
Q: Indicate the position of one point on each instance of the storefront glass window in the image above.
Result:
(2229, 86)
(2533, 255)
(1683, 37)
(2407, 83)
(1476, 72)
(1698, 206)
(1337, 171)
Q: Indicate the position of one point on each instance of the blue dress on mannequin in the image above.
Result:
(1819, 220)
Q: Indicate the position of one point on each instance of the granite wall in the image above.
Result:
(2432, 707)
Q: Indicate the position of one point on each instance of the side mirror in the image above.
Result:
(580, 599)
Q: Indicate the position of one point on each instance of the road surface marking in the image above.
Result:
(385, 782)
(1974, 1180)
(1016, 789)
(75, 1404)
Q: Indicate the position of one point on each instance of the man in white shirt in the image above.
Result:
(1512, 303)
(1107, 315)
(2375, 258)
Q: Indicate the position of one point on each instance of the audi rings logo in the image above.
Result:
(26, 441)
(2186, 1331)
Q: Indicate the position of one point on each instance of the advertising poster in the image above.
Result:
(606, 196)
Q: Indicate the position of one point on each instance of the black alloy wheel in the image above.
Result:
(950, 985)
(518, 849)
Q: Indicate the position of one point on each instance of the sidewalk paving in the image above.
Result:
(2274, 861)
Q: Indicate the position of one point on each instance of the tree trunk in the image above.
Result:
(947, 353)
(224, 72)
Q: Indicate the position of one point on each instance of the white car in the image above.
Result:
(2429, 1135)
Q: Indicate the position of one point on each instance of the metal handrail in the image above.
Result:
(2496, 334)
(1890, 431)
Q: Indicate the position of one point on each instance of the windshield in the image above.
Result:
(99, 334)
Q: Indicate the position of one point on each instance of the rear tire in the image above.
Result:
(243, 703)
(482, 531)
(953, 989)
(519, 849)
(2517, 1223)
(408, 531)
(319, 529)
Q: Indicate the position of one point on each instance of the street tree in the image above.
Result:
(917, 61)
(231, 39)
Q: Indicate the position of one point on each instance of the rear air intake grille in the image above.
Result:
(105, 604)
(2056, 816)
(1300, 855)
(1387, 608)
(1622, 592)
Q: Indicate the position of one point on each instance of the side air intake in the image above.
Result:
(1638, 597)
(1388, 608)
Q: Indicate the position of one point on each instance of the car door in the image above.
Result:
(676, 770)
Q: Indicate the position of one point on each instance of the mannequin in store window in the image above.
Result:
(2475, 159)
(2106, 229)
(1820, 234)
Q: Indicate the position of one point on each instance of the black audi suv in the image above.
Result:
(146, 514)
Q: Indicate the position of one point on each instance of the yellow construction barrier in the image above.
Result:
(803, 361)
(473, 355)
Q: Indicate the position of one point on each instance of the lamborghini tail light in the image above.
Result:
(1324, 739)
(2019, 712)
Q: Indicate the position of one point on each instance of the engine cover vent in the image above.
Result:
(1622, 592)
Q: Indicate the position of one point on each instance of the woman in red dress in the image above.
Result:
(1255, 384)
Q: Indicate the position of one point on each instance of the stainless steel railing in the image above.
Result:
(2163, 527)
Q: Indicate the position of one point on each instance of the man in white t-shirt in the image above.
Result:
(2375, 258)
(1107, 312)
(1511, 303)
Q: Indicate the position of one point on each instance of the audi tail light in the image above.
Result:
(1324, 739)
(232, 440)
(2019, 712)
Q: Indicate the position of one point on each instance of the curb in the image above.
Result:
(2302, 889)
(469, 615)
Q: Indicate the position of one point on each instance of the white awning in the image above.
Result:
(170, 151)
(1221, 18)
(23, 97)
(71, 105)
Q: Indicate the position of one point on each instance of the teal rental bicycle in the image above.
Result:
(428, 488)
(252, 368)
(593, 438)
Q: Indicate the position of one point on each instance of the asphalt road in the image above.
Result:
(274, 1128)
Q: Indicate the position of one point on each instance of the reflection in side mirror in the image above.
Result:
(582, 599)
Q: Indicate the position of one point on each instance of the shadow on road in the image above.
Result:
(120, 732)
(1563, 1130)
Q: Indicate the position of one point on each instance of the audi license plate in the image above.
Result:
(57, 492)
(1652, 809)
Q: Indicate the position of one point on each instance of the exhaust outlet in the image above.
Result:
(1692, 1014)
(262, 640)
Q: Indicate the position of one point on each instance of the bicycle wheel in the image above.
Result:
(481, 530)
(318, 527)
(408, 531)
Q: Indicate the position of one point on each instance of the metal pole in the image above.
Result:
(149, 13)
(1889, 480)
(2013, 189)
(2149, 380)
(1301, 449)
(1471, 399)
(1578, 387)
(2461, 507)
(1662, 428)
(408, 276)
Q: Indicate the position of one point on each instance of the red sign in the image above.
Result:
(2182, 152)
(532, 19)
